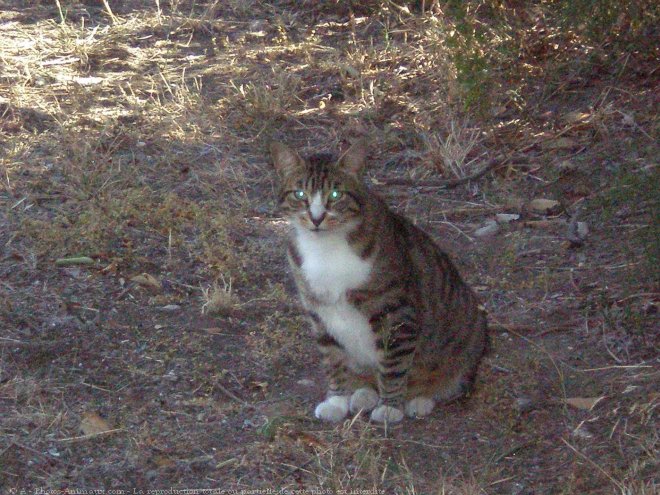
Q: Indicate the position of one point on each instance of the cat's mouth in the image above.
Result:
(317, 228)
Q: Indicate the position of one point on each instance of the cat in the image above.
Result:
(396, 326)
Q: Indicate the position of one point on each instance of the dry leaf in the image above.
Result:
(585, 403)
(93, 424)
(306, 438)
(199, 402)
(259, 385)
(543, 206)
(112, 268)
(147, 280)
(214, 331)
(163, 462)
(577, 116)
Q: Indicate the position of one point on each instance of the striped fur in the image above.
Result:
(387, 306)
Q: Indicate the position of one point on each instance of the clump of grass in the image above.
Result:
(269, 101)
(450, 154)
(219, 300)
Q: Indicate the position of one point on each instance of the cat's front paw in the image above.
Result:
(332, 409)
(363, 399)
(419, 407)
(387, 414)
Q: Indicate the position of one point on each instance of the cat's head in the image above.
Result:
(321, 193)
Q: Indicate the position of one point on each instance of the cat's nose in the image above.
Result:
(317, 220)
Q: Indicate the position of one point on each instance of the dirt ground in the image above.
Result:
(150, 336)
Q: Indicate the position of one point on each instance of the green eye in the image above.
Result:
(335, 195)
(299, 194)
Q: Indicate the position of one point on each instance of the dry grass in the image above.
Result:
(135, 134)
(218, 300)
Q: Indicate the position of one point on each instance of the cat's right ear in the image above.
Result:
(285, 159)
(354, 158)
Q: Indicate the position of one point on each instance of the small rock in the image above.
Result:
(306, 382)
(248, 423)
(567, 166)
(542, 206)
(491, 227)
(650, 308)
(577, 233)
(583, 229)
(524, 404)
(171, 307)
(73, 272)
(506, 217)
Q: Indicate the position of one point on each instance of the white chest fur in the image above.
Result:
(331, 268)
(329, 264)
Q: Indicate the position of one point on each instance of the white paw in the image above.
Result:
(387, 414)
(363, 399)
(332, 409)
(419, 407)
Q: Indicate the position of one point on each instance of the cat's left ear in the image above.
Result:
(354, 158)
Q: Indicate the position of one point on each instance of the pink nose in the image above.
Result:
(317, 221)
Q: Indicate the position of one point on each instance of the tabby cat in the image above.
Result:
(396, 325)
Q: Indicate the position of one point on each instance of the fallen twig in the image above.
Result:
(600, 469)
(447, 184)
(91, 435)
(233, 396)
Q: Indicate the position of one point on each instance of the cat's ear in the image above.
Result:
(355, 157)
(285, 159)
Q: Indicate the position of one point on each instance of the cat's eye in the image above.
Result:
(335, 195)
(299, 194)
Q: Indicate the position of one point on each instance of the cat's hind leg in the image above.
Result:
(396, 332)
